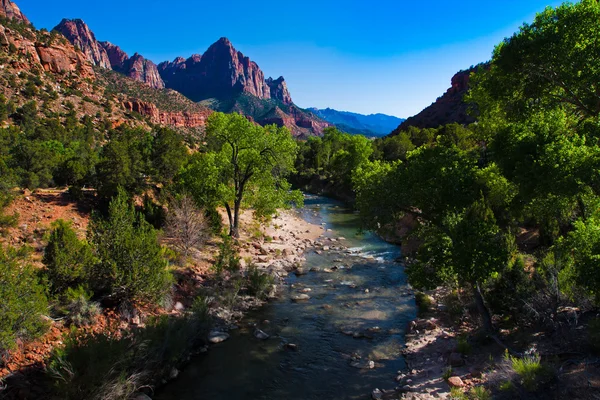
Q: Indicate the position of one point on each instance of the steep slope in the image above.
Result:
(80, 35)
(9, 10)
(226, 80)
(107, 55)
(447, 109)
(368, 125)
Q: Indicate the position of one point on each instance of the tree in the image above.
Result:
(23, 300)
(186, 224)
(131, 265)
(67, 259)
(168, 154)
(244, 159)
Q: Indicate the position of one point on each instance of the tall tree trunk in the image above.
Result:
(231, 230)
(486, 318)
(236, 220)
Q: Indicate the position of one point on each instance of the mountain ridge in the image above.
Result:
(377, 124)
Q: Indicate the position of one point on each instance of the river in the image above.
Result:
(349, 335)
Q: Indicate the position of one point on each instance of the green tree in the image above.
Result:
(131, 265)
(23, 300)
(168, 154)
(247, 164)
(67, 259)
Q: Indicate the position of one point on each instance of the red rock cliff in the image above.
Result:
(9, 10)
(171, 119)
(279, 90)
(80, 35)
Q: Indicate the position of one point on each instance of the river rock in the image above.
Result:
(300, 297)
(325, 248)
(217, 337)
(377, 394)
(174, 373)
(300, 272)
(261, 335)
(291, 346)
(455, 381)
(179, 306)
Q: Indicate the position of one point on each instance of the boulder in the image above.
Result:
(455, 381)
(300, 297)
(217, 337)
(260, 334)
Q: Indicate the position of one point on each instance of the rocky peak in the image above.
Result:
(80, 35)
(221, 72)
(143, 70)
(116, 56)
(279, 90)
(9, 10)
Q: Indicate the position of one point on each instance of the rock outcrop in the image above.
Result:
(447, 109)
(279, 90)
(9, 10)
(107, 55)
(116, 56)
(80, 35)
(142, 70)
(172, 119)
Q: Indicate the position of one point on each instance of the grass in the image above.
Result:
(530, 370)
(480, 393)
(447, 374)
(457, 394)
(424, 303)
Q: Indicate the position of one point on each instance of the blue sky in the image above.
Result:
(394, 57)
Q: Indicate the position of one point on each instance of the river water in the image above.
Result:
(349, 335)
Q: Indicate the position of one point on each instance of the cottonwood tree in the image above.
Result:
(186, 224)
(246, 164)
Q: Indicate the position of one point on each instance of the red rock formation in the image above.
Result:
(80, 35)
(116, 56)
(171, 119)
(142, 70)
(221, 72)
(9, 10)
(279, 90)
(60, 58)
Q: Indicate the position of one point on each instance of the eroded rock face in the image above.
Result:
(172, 119)
(9, 10)
(142, 70)
(221, 72)
(63, 58)
(80, 35)
(279, 90)
(116, 56)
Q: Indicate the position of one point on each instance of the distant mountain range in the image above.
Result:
(368, 125)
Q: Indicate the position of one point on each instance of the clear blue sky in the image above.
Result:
(394, 56)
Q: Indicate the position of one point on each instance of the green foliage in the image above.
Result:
(6, 221)
(457, 394)
(68, 260)
(463, 346)
(168, 155)
(448, 373)
(480, 393)
(246, 165)
(259, 283)
(23, 300)
(228, 259)
(79, 308)
(131, 265)
(424, 303)
(530, 370)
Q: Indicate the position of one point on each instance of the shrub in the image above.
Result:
(228, 258)
(79, 308)
(463, 346)
(480, 393)
(457, 394)
(447, 373)
(66, 258)
(107, 368)
(530, 370)
(186, 225)
(131, 265)
(424, 303)
(23, 300)
(259, 283)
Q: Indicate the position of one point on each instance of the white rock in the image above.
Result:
(261, 335)
(217, 337)
(300, 297)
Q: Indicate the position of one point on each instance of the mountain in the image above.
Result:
(368, 125)
(10, 11)
(228, 81)
(107, 55)
(447, 109)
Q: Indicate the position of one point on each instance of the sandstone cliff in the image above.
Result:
(9, 10)
(279, 90)
(80, 35)
(142, 70)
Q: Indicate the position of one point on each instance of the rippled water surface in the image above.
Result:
(356, 314)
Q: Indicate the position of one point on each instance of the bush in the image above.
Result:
(228, 258)
(259, 283)
(131, 264)
(480, 393)
(530, 370)
(79, 309)
(463, 346)
(23, 301)
(107, 368)
(66, 258)
(424, 303)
